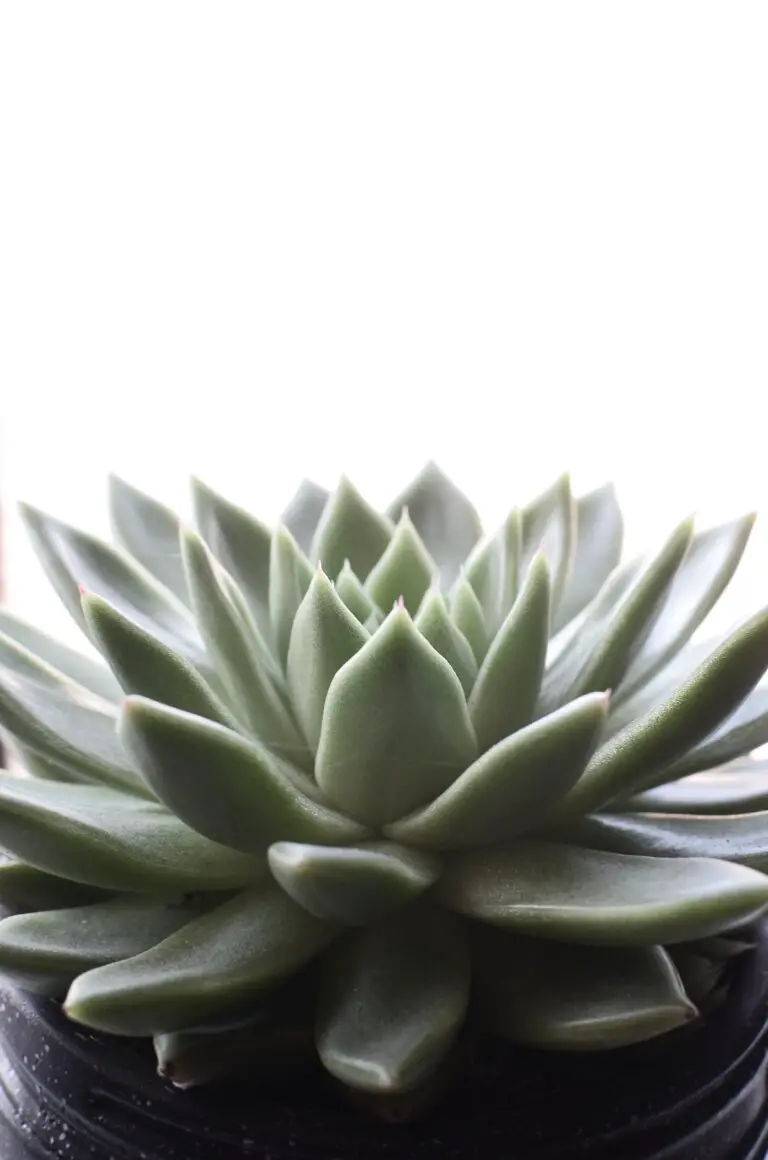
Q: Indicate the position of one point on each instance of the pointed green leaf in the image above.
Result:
(353, 594)
(493, 570)
(45, 952)
(231, 790)
(549, 524)
(240, 657)
(639, 756)
(404, 571)
(599, 537)
(213, 968)
(743, 731)
(104, 838)
(435, 625)
(290, 577)
(396, 730)
(467, 615)
(150, 532)
(603, 899)
(241, 544)
(73, 560)
(83, 670)
(578, 998)
(394, 999)
(352, 884)
(143, 664)
(717, 792)
(60, 721)
(22, 887)
(325, 635)
(303, 513)
(443, 516)
(706, 571)
(663, 686)
(350, 529)
(507, 687)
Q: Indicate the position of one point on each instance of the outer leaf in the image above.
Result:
(303, 513)
(510, 787)
(352, 884)
(244, 669)
(74, 560)
(743, 731)
(706, 571)
(145, 665)
(212, 969)
(56, 719)
(83, 670)
(325, 635)
(443, 516)
(577, 998)
(231, 790)
(289, 578)
(637, 757)
(394, 1000)
(104, 838)
(718, 792)
(46, 952)
(150, 532)
(353, 594)
(549, 523)
(395, 729)
(599, 537)
(350, 529)
(467, 615)
(435, 625)
(507, 687)
(241, 544)
(23, 887)
(585, 896)
(404, 571)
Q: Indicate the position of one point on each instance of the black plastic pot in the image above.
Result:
(696, 1095)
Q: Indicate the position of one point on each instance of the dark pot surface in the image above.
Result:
(67, 1094)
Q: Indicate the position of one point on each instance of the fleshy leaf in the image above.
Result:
(240, 657)
(718, 792)
(350, 529)
(45, 952)
(143, 664)
(231, 790)
(405, 570)
(325, 635)
(396, 730)
(435, 625)
(352, 884)
(443, 516)
(393, 1001)
(507, 687)
(303, 513)
(353, 594)
(577, 998)
(603, 899)
(493, 570)
(549, 523)
(704, 574)
(83, 670)
(105, 838)
(23, 887)
(214, 967)
(599, 537)
(150, 532)
(241, 544)
(638, 756)
(509, 788)
(467, 615)
(289, 578)
(743, 731)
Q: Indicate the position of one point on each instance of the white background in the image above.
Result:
(255, 240)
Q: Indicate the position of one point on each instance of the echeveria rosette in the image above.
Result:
(370, 781)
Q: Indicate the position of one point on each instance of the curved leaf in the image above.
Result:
(603, 899)
(150, 532)
(467, 615)
(231, 790)
(213, 968)
(395, 730)
(599, 538)
(493, 570)
(743, 731)
(718, 792)
(443, 516)
(350, 529)
(434, 623)
(303, 513)
(104, 838)
(289, 578)
(507, 687)
(83, 670)
(23, 887)
(353, 594)
(512, 785)
(393, 1001)
(548, 523)
(404, 571)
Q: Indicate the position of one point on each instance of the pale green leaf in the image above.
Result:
(435, 625)
(599, 537)
(394, 999)
(743, 731)
(548, 523)
(23, 887)
(404, 571)
(83, 670)
(443, 516)
(396, 730)
(289, 578)
(350, 529)
(303, 513)
(493, 570)
(352, 592)
(718, 792)
(150, 532)
(467, 615)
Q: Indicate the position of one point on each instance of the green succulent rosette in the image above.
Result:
(370, 780)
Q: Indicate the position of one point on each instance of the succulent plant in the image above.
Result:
(373, 781)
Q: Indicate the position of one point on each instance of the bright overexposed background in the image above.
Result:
(253, 241)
